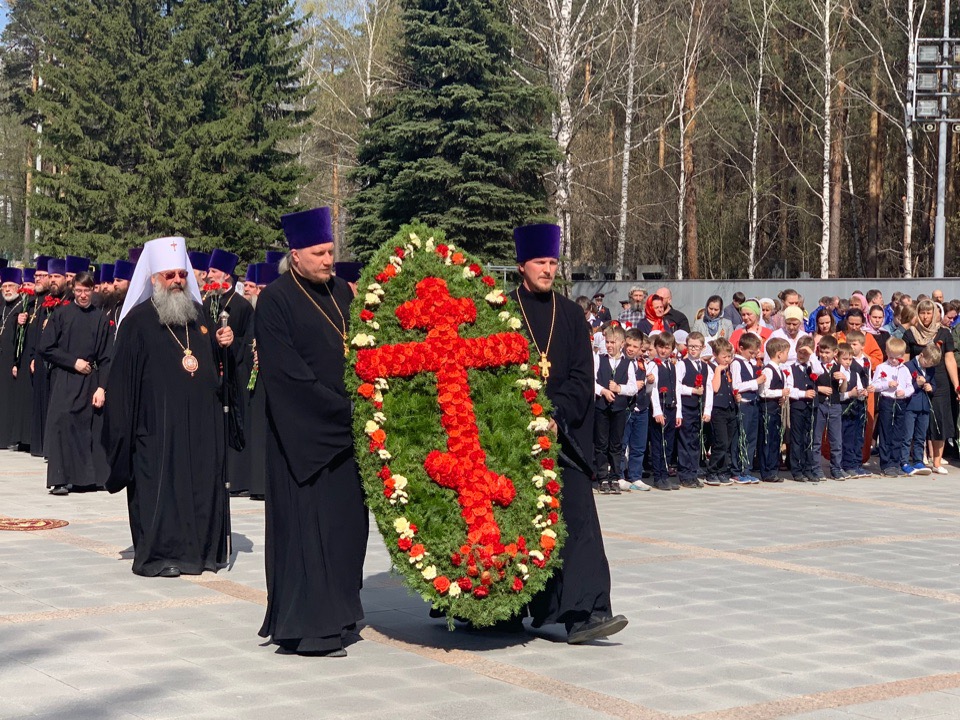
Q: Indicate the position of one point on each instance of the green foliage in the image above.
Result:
(160, 118)
(460, 144)
(412, 423)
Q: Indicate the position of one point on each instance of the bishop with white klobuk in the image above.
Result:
(164, 421)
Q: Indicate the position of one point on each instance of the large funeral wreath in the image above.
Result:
(451, 426)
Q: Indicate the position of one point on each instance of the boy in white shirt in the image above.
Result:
(773, 393)
(892, 381)
(615, 387)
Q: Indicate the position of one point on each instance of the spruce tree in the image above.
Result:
(161, 118)
(460, 145)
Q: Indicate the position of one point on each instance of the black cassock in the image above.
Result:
(240, 320)
(73, 333)
(582, 586)
(23, 394)
(9, 434)
(163, 431)
(316, 522)
(41, 379)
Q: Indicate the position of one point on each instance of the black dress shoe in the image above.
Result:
(258, 497)
(614, 487)
(169, 572)
(595, 628)
(59, 490)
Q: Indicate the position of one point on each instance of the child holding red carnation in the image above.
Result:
(663, 399)
(892, 381)
(615, 385)
(917, 418)
(804, 373)
(693, 381)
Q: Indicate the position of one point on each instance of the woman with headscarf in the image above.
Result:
(712, 324)
(654, 321)
(767, 309)
(926, 330)
(751, 314)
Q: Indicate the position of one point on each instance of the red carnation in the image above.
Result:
(547, 464)
(915, 375)
(529, 395)
(456, 559)
(480, 591)
(404, 543)
(814, 377)
(465, 583)
(366, 315)
(698, 381)
(663, 389)
(443, 250)
(382, 278)
(786, 373)
(866, 362)
(759, 372)
(736, 393)
(883, 374)
(554, 518)
(400, 252)
(553, 487)
(488, 281)
(517, 584)
(658, 361)
(476, 269)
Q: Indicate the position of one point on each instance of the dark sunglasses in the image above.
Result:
(171, 274)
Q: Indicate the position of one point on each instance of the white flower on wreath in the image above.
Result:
(531, 383)
(371, 299)
(418, 557)
(396, 262)
(536, 554)
(399, 482)
(549, 533)
(429, 572)
(381, 384)
(543, 501)
(539, 425)
(523, 570)
(384, 454)
(524, 367)
(364, 340)
(504, 316)
(536, 449)
(550, 474)
(496, 297)
(454, 590)
(378, 397)
(468, 273)
(402, 526)
(537, 481)
(379, 417)
(376, 289)
(414, 240)
(428, 246)
(371, 427)
(514, 323)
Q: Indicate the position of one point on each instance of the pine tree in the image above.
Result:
(162, 118)
(459, 145)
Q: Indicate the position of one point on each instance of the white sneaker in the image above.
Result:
(939, 470)
(635, 485)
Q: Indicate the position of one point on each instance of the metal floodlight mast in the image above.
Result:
(940, 225)
(928, 108)
(928, 54)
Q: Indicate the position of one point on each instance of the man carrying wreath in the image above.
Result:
(316, 522)
(578, 595)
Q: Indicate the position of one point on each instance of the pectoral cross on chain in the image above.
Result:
(544, 366)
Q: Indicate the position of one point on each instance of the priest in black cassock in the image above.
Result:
(256, 427)
(163, 419)
(74, 344)
(23, 395)
(51, 299)
(578, 594)
(316, 522)
(11, 307)
(222, 296)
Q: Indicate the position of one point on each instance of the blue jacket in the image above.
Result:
(919, 401)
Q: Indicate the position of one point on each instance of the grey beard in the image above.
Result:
(174, 308)
(10, 297)
(253, 300)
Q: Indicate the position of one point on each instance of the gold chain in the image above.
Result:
(342, 333)
(544, 354)
(186, 350)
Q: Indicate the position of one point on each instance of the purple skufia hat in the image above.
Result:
(29, 275)
(267, 273)
(199, 260)
(76, 264)
(106, 273)
(41, 262)
(251, 275)
(224, 261)
(349, 271)
(308, 228)
(133, 254)
(56, 266)
(11, 275)
(123, 270)
(537, 241)
(274, 257)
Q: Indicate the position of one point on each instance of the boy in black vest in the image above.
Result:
(615, 386)
(831, 385)
(720, 410)
(774, 393)
(853, 412)
(638, 418)
(917, 418)
(804, 465)
(693, 376)
(663, 399)
(747, 380)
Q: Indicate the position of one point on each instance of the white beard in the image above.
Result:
(10, 297)
(174, 307)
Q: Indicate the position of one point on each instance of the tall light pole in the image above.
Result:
(940, 226)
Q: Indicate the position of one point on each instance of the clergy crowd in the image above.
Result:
(166, 377)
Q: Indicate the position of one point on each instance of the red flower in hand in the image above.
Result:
(814, 377)
(883, 374)
(698, 381)
(736, 393)
(786, 373)
(658, 361)
(915, 375)
(866, 362)
(663, 389)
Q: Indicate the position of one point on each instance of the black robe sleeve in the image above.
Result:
(122, 409)
(313, 421)
(573, 398)
(49, 348)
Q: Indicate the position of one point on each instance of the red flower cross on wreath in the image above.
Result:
(448, 355)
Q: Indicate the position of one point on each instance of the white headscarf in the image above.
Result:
(168, 253)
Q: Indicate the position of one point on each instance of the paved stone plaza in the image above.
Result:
(834, 601)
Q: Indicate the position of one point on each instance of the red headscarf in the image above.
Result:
(655, 322)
